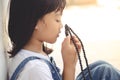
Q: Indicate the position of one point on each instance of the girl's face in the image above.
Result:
(48, 28)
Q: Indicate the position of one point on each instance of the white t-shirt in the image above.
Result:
(34, 69)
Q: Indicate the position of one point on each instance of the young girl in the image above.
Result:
(33, 22)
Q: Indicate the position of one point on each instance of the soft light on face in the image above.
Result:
(49, 27)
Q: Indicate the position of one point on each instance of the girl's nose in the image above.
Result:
(61, 25)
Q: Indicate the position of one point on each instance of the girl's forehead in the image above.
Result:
(53, 14)
(58, 13)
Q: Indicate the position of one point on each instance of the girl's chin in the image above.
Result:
(53, 41)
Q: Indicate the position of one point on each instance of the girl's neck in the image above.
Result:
(35, 46)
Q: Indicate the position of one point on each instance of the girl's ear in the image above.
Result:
(36, 27)
(38, 24)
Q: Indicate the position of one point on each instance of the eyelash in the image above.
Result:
(58, 20)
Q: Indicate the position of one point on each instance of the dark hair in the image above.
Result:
(23, 17)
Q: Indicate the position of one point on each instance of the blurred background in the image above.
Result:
(96, 22)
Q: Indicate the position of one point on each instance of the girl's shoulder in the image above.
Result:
(36, 66)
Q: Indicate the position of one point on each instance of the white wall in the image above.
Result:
(3, 66)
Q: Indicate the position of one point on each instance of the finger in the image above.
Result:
(75, 39)
(67, 40)
(78, 46)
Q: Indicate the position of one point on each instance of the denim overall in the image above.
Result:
(54, 70)
(100, 70)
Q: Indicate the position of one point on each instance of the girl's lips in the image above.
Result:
(58, 34)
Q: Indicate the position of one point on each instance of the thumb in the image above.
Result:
(67, 40)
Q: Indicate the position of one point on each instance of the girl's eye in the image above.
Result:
(58, 20)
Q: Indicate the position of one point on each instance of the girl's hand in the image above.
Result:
(69, 53)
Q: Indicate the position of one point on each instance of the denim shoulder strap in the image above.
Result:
(55, 73)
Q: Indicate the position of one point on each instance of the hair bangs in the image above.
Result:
(60, 5)
(55, 5)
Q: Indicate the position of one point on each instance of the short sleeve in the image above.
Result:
(36, 70)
